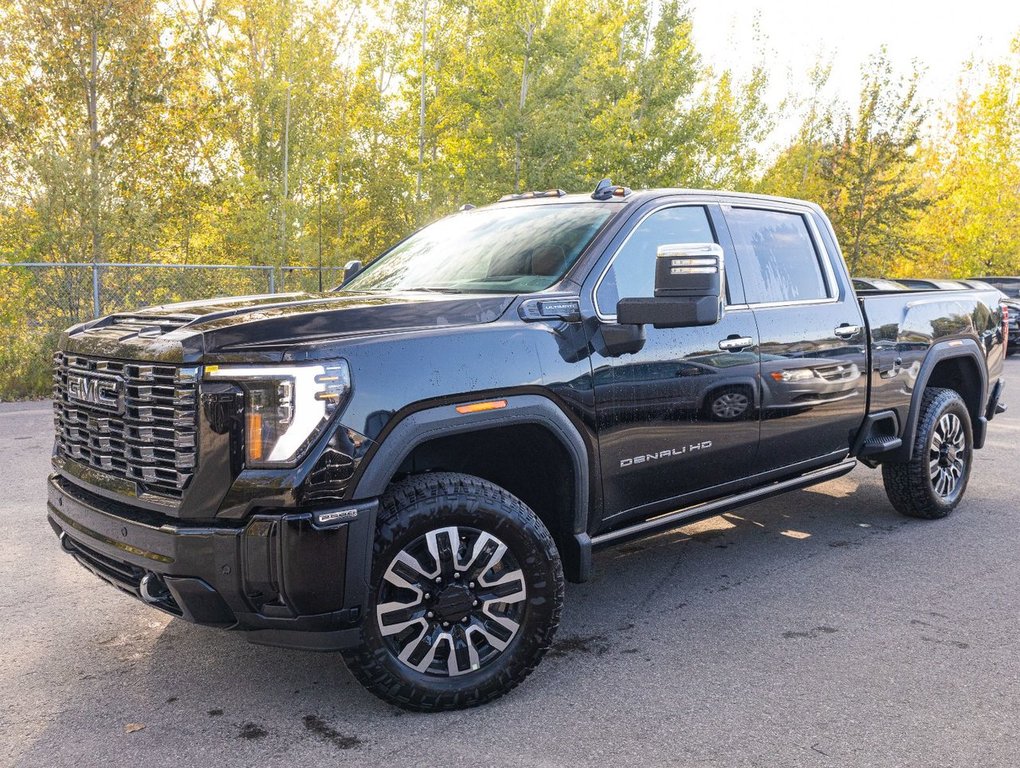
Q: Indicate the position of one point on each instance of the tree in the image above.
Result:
(973, 172)
(864, 170)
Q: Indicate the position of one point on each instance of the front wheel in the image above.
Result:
(467, 590)
(728, 404)
(933, 482)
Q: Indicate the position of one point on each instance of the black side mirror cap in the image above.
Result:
(669, 312)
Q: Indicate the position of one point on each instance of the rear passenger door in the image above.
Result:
(813, 342)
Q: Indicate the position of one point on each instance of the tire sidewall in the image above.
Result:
(951, 403)
(543, 580)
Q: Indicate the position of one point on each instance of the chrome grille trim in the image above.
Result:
(150, 441)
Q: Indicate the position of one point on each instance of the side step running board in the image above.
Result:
(712, 508)
(875, 446)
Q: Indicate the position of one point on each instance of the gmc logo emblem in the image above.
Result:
(102, 392)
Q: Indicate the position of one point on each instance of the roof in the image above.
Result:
(639, 196)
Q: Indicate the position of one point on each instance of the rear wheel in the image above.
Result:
(467, 589)
(933, 482)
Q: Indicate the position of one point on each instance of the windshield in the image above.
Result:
(492, 250)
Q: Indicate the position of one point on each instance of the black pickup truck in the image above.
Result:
(406, 468)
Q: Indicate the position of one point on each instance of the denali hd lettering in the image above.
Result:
(665, 453)
(406, 468)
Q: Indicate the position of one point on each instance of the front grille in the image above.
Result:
(837, 372)
(130, 420)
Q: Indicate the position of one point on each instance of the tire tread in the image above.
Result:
(393, 524)
(907, 483)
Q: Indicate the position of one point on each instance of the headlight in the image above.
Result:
(793, 374)
(285, 407)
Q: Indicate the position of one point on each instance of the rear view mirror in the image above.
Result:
(689, 286)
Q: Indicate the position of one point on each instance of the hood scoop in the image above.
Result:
(128, 327)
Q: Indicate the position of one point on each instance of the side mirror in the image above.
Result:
(689, 289)
(351, 268)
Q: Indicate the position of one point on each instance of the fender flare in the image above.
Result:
(426, 424)
(423, 425)
(937, 353)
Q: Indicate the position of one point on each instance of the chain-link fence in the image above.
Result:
(41, 299)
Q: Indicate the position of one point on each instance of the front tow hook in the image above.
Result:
(153, 589)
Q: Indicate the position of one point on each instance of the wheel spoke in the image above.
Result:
(487, 554)
(406, 572)
(509, 588)
(943, 430)
(419, 653)
(394, 617)
(443, 544)
(501, 625)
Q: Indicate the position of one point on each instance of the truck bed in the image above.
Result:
(903, 326)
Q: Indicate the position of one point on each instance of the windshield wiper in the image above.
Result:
(433, 289)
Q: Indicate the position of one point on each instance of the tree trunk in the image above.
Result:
(286, 170)
(421, 101)
(92, 103)
(529, 36)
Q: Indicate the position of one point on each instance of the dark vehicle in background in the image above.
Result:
(1008, 285)
(405, 469)
(931, 285)
(878, 284)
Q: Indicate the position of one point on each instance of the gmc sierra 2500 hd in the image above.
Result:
(405, 468)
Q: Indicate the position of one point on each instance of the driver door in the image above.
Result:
(680, 415)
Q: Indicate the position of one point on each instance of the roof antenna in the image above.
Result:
(603, 190)
(606, 189)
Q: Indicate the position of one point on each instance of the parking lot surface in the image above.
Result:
(818, 628)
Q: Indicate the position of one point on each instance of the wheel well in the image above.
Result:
(742, 386)
(525, 459)
(960, 374)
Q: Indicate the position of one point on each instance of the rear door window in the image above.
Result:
(778, 258)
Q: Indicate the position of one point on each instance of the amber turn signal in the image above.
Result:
(488, 405)
(254, 434)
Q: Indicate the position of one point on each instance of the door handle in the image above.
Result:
(847, 331)
(736, 342)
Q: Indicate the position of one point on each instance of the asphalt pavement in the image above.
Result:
(819, 628)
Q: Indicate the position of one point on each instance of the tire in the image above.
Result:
(728, 404)
(933, 482)
(496, 599)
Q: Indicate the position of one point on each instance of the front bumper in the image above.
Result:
(290, 577)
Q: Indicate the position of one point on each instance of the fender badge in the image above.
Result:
(336, 516)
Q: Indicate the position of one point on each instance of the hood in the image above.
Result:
(268, 324)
